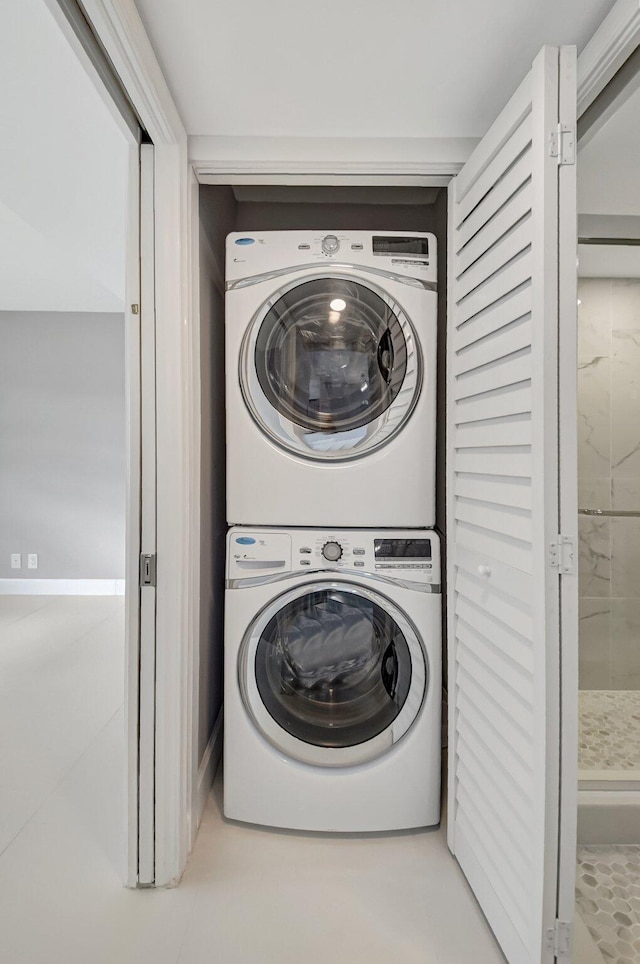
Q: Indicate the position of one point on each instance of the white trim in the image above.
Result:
(132, 563)
(62, 587)
(419, 161)
(148, 524)
(120, 30)
(613, 42)
(208, 767)
(567, 495)
(193, 812)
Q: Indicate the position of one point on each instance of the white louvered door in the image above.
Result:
(508, 266)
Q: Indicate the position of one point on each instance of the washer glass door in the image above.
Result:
(333, 370)
(334, 668)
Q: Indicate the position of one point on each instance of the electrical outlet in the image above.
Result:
(16, 560)
(32, 560)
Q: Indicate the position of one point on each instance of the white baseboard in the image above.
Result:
(62, 587)
(209, 765)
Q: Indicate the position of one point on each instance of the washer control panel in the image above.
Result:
(409, 554)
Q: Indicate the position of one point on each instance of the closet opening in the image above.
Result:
(244, 208)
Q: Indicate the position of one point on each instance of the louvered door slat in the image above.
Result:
(478, 739)
(473, 774)
(518, 175)
(502, 371)
(480, 730)
(505, 281)
(505, 882)
(504, 607)
(500, 461)
(511, 399)
(495, 258)
(497, 344)
(506, 491)
(515, 523)
(501, 146)
(503, 614)
(508, 430)
(513, 865)
(515, 305)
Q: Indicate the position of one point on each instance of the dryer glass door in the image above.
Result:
(333, 667)
(336, 366)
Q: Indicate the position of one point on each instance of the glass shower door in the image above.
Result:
(609, 525)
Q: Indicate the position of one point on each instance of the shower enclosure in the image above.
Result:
(609, 552)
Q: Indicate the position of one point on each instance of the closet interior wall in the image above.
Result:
(278, 208)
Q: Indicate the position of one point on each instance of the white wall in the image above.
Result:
(62, 444)
(63, 174)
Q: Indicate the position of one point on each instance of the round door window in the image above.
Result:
(333, 668)
(325, 363)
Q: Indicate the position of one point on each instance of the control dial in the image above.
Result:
(332, 551)
(330, 244)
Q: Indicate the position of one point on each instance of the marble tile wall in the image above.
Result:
(609, 478)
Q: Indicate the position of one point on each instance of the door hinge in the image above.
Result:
(562, 144)
(559, 938)
(562, 554)
(147, 570)
(135, 309)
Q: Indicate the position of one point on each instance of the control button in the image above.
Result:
(330, 244)
(305, 550)
(305, 562)
(332, 551)
(358, 552)
(357, 247)
(304, 247)
(358, 562)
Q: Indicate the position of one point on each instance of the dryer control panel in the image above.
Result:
(411, 256)
(407, 554)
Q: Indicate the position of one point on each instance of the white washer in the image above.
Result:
(333, 679)
(331, 378)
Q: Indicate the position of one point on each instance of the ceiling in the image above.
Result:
(354, 68)
(63, 170)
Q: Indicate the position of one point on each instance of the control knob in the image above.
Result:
(332, 551)
(330, 244)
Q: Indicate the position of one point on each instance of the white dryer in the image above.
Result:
(331, 378)
(333, 679)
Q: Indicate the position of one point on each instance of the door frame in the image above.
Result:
(119, 28)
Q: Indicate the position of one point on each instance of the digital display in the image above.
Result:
(402, 548)
(388, 245)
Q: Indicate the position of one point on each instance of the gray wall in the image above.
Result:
(338, 216)
(217, 214)
(62, 444)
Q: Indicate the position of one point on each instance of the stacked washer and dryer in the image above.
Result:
(332, 609)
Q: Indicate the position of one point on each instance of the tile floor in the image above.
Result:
(608, 900)
(609, 730)
(249, 896)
